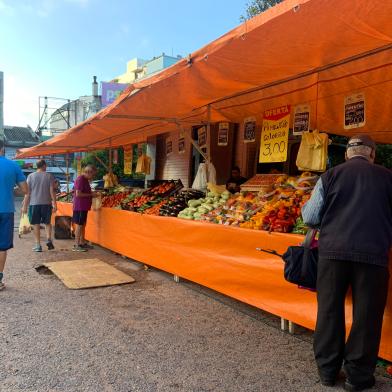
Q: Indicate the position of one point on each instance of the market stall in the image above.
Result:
(236, 78)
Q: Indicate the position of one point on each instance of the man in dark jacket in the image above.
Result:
(352, 205)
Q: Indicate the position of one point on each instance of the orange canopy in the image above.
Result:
(301, 51)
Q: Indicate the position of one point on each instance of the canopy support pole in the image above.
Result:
(100, 160)
(194, 144)
(110, 156)
(208, 132)
(67, 170)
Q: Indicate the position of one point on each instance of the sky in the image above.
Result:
(54, 47)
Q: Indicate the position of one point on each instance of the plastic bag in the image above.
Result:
(24, 225)
(96, 203)
(313, 152)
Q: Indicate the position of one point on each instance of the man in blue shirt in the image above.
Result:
(10, 176)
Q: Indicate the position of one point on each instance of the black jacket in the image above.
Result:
(356, 221)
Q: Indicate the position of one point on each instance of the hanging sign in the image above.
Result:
(78, 166)
(223, 134)
(301, 121)
(202, 136)
(354, 111)
(275, 135)
(181, 143)
(115, 157)
(249, 129)
(128, 159)
(169, 146)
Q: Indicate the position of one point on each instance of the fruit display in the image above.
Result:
(178, 203)
(282, 207)
(114, 200)
(235, 210)
(155, 209)
(165, 189)
(197, 208)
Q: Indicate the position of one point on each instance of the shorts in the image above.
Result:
(6, 230)
(40, 214)
(79, 217)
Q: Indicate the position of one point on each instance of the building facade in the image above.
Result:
(139, 68)
(74, 112)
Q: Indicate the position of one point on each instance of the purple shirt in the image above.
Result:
(82, 203)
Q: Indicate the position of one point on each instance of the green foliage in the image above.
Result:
(255, 7)
(384, 155)
(118, 169)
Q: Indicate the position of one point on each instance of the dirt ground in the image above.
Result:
(152, 335)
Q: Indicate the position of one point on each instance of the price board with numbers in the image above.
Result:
(275, 135)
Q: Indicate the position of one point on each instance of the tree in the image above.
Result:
(118, 169)
(255, 7)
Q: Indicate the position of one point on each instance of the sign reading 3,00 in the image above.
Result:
(275, 135)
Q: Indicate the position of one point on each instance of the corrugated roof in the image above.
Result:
(20, 136)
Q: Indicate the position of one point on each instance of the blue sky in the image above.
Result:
(54, 47)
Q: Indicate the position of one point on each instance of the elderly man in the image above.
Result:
(352, 205)
(10, 176)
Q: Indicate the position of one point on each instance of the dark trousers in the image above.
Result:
(369, 286)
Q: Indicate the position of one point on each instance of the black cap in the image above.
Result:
(361, 140)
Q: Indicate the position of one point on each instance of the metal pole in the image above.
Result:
(110, 156)
(208, 133)
(67, 170)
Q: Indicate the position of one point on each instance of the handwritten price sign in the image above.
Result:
(275, 135)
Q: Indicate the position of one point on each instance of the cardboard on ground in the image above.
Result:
(88, 273)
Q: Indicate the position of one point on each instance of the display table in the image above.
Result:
(222, 258)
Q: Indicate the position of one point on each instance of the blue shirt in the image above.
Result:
(10, 175)
(312, 210)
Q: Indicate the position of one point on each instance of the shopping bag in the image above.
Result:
(96, 203)
(301, 263)
(313, 152)
(24, 225)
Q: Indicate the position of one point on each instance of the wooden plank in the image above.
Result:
(88, 273)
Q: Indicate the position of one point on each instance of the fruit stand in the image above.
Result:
(223, 258)
(234, 78)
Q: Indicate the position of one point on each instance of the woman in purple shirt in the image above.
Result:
(83, 196)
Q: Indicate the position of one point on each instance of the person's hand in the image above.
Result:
(54, 207)
(95, 194)
(24, 210)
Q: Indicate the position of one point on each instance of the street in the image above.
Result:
(153, 335)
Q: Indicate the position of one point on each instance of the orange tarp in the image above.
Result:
(289, 54)
(219, 257)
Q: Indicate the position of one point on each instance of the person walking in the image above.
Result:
(82, 201)
(10, 176)
(352, 205)
(40, 202)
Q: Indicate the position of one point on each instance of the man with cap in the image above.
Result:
(352, 206)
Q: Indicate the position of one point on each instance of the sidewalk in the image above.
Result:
(152, 335)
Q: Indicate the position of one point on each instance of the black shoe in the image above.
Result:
(86, 246)
(351, 387)
(328, 382)
(50, 245)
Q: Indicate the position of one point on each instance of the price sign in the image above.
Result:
(249, 129)
(169, 146)
(202, 136)
(275, 135)
(181, 143)
(301, 122)
(128, 158)
(223, 134)
(115, 157)
(354, 111)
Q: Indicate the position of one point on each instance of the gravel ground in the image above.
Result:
(152, 335)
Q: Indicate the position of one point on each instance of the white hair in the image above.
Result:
(364, 151)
